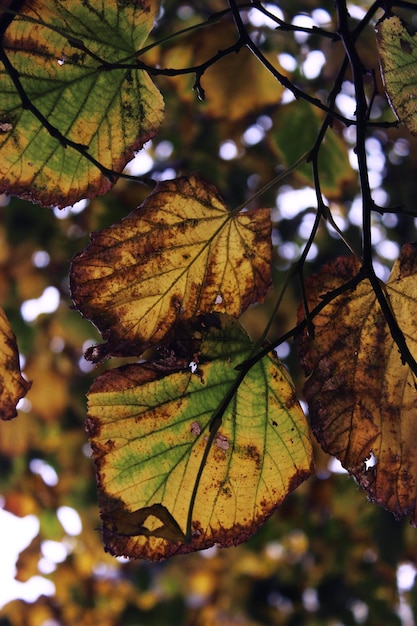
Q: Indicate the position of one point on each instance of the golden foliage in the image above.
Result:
(362, 396)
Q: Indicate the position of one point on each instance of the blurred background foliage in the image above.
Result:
(327, 557)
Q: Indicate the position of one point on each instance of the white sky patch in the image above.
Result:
(54, 551)
(305, 228)
(45, 471)
(40, 259)
(84, 365)
(140, 164)
(16, 534)
(390, 220)
(209, 553)
(274, 550)
(259, 20)
(382, 271)
(287, 96)
(291, 202)
(287, 61)
(48, 302)
(185, 12)
(69, 520)
(163, 150)
(358, 13)
(289, 251)
(24, 405)
(313, 253)
(353, 159)
(168, 174)
(346, 105)
(311, 599)
(406, 574)
(336, 467)
(283, 350)
(74, 209)
(371, 461)
(253, 135)
(321, 17)
(389, 250)
(304, 21)
(355, 212)
(228, 150)
(313, 64)
(360, 610)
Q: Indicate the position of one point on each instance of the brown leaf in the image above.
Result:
(362, 398)
(13, 386)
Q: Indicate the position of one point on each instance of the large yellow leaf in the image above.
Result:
(179, 253)
(13, 386)
(362, 397)
(175, 473)
(57, 57)
(397, 51)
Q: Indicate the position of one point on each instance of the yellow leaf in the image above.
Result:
(13, 386)
(176, 473)
(362, 398)
(179, 253)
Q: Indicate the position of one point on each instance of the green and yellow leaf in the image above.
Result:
(178, 474)
(362, 397)
(60, 58)
(178, 254)
(397, 51)
(13, 386)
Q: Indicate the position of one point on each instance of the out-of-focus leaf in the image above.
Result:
(55, 51)
(302, 120)
(174, 475)
(362, 398)
(179, 253)
(13, 387)
(225, 83)
(398, 58)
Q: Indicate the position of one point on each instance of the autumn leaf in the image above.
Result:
(300, 119)
(362, 397)
(176, 474)
(13, 386)
(225, 83)
(397, 51)
(179, 253)
(60, 58)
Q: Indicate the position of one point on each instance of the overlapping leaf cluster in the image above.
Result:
(200, 441)
(189, 452)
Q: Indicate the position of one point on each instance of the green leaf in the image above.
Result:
(199, 455)
(397, 51)
(179, 253)
(87, 113)
(302, 121)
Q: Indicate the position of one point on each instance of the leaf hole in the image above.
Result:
(370, 461)
(152, 523)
